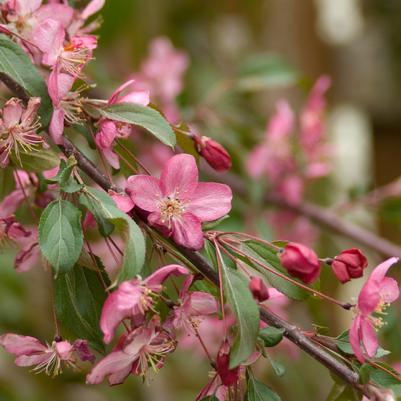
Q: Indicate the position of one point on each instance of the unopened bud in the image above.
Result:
(258, 288)
(349, 264)
(214, 153)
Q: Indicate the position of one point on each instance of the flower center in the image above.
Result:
(170, 208)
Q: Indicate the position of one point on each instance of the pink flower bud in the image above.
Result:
(349, 264)
(258, 288)
(301, 262)
(214, 153)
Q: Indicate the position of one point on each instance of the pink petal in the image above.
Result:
(59, 84)
(118, 306)
(389, 290)
(59, 12)
(93, 7)
(107, 134)
(202, 303)
(123, 201)
(26, 7)
(162, 274)
(12, 112)
(11, 203)
(49, 38)
(56, 128)
(179, 177)
(138, 97)
(210, 201)
(112, 158)
(64, 350)
(369, 338)
(187, 231)
(117, 364)
(355, 339)
(30, 360)
(145, 191)
(258, 161)
(21, 345)
(114, 96)
(282, 122)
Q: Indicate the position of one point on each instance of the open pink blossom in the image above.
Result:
(109, 129)
(193, 306)
(377, 293)
(18, 128)
(145, 347)
(134, 298)
(29, 351)
(178, 203)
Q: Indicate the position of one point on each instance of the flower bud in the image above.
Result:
(214, 153)
(258, 288)
(349, 264)
(301, 262)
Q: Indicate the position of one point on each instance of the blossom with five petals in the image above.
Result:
(178, 203)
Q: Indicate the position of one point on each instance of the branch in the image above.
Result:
(321, 216)
(293, 333)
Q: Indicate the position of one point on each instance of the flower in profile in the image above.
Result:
(193, 306)
(109, 130)
(29, 351)
(145, 347)
(301, 262)
(349, 264)
(178, 203)
(258, 289)
(376, 295)
(134, 298)
(18, 126)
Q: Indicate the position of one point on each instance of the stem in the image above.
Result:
(219, 266)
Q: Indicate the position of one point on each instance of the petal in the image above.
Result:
(355, 340)
(114, 96)
(21, 345)
(144, 191)
(12, 112)
(202, 303)
(258, 161)
(26, 7)
(115, 364)
(59, 84)
(59, 12)
(93, 7)
(187, 231)
(138, 97)
(179, 177)
(119, 306)
(30, 360)
(369, 338)
(162, 274)
(389, 290)
(112, 158)
(107, 134)
(210, 201)
(56, 128)
(123, 201)
(11, 202)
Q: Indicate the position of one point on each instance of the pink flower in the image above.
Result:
(122, 200)
(162, 74)
(110, 130)
(377, 293)
(349, 264)
(301, 262)
(193, 307)
(178, 203)
(31, 352)
(134, 298)
(18, 126)
(66, 104)
(147, 346)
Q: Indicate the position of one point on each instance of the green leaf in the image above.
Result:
(269, 257)
(265, 71)
(67, 183)
(210, 398)
(79, 297)
(60, 235)
(278, 368)
(36, 161)
(246, 311)
(271, 336)
(342, 392)
(15, 63)
(145, 117)
(7, 182)
(135, 248)
(258, 391)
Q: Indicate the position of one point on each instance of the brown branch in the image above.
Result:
(293, 333)
(321, 216)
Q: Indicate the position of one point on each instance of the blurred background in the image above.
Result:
(357, 43)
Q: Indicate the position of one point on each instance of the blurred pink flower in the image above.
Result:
(109, 130)
(178, 203)
(134, 298)
(377, 293)
(147, 346)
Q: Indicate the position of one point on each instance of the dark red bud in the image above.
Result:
(301, 262)
(258, 288)
(349, 264)
(228, 376)
(214, 153)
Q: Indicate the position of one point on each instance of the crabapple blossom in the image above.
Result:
(178, 203)
(377, 293)
(349, 264)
